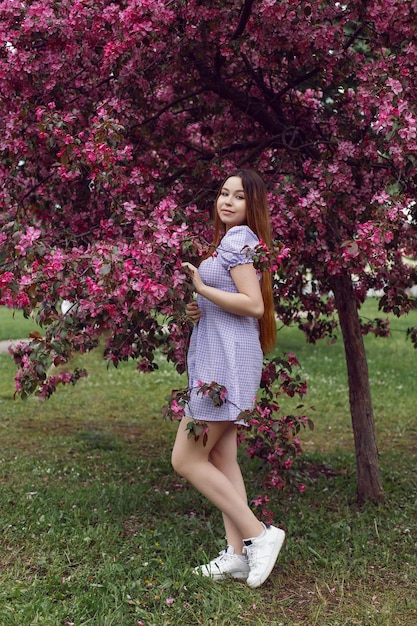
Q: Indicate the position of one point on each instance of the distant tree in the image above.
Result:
(120, 118)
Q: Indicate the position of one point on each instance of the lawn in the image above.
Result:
(97, 529)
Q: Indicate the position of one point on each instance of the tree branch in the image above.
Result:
(272, 119)
(244, 17)
(168, 106)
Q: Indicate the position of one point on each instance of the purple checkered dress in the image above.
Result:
(224, 347)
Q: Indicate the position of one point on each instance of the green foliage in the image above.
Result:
(97, 529)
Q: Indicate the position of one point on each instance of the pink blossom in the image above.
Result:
(5, 279)
(223, 393)
(22, 300)
(395, 85)
(26, 239)
(176, 408)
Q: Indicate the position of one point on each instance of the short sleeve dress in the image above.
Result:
(224, 347)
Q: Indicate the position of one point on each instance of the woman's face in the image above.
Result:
(231, 203)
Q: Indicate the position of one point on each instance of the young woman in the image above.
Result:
(234, 325)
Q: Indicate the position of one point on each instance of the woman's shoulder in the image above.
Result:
(237, 246)
(239, 237)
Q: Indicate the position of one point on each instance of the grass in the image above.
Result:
(97, 530)
(13, 325)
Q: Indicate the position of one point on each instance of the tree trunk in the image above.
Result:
(369, 486)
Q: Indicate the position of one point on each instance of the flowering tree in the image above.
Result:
(119, 120)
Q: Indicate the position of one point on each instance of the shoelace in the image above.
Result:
(250, 553)
(223, 556)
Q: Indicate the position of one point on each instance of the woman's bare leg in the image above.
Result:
(224, 457)
(191, 459)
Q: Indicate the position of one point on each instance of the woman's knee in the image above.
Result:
(179, 463)
(176, 462)
(223, 462)
(188, 454)
(224, 453)
(217, 458)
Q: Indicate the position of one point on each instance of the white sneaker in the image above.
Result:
(226, 565)
(262, 553)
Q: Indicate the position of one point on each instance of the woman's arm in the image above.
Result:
(247, 302)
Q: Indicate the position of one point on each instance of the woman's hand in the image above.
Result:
(193, 273)
(192, 312)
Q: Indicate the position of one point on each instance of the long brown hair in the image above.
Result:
(257, 218)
